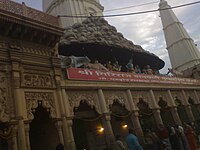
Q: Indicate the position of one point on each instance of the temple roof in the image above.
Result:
(95, 34)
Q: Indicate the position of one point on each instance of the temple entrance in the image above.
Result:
(146, 117)
(120, 120)
(87, 128)
(43, 133)
(3, 144)
(165, 113)
(4, 136)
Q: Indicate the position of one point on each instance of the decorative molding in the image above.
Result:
(116, 96)
(86, 96)
(34, 99)
(4, 115)
(36, 80)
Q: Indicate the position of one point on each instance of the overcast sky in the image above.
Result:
(146, 29)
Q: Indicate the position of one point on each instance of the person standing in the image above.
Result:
(119, 145)
(132, 141)
(190, 135)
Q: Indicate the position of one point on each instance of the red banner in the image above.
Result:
(97, 75)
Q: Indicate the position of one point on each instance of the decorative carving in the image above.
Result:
(191, 97)
(89, 97)
(46, 99)
(119, 97)
(4, 117)
(178, 97)
(144, 95)
(34, 80)
(162, 95)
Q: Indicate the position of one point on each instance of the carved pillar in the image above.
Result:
(173, 110)
(60, 133)
(156, 111)
(135, 116)
(188, 108)
(14, 138)
(19, 112)
(67, 123)
(71, 142)
(106, 119)
(27, 128)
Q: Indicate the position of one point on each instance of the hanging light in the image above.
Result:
(124, 126)
(100, 130)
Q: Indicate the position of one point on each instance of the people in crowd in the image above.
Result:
(151, 140)
(163, 135)
(190, 135)
(183, 137)
(119, 145)
(132, 141)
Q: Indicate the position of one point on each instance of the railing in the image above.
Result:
(23, 10)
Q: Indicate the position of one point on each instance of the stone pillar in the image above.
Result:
(67, 123)
(106, 119)
(173, 110)
(135, 116)
(27, 128)
(60, 133)
(188, 108)
(14, 138)
(71, 142)
(19, 112)
(156, 111)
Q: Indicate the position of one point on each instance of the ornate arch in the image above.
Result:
(75, 99)
(144, 95)
(119, 97)
(34, 99)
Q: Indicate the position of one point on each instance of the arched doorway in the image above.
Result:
(5, 135)
(181, 111)
(86, 125)
(165, 112)
(120, 119)
(43, 133)
(146, 117)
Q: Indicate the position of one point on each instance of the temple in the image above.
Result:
(183, 53)
(82, 85)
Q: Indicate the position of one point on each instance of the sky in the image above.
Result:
(146, 29)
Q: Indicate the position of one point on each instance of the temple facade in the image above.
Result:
(43, 104)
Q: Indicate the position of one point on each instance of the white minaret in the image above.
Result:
(181, 48)
(72, 8)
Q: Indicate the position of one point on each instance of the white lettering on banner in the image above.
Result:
(97, 75)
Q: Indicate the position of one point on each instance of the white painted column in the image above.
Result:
(67, 123)
(135, 116)
(106, 119)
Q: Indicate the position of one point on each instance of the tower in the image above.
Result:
(72, 8)
(182, 51)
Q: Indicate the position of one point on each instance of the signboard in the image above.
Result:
(111, 76)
